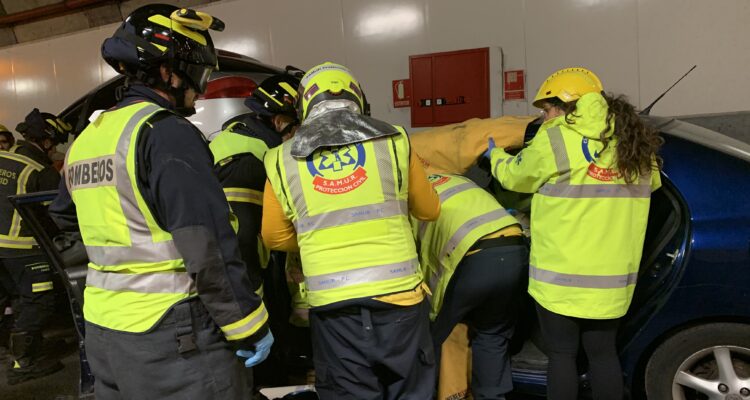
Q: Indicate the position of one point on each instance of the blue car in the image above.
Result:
(687, 333)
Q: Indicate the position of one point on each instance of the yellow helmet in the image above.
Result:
(328, 81)
(568, 85)
(3, 128)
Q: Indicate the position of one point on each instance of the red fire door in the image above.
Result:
(449, 87)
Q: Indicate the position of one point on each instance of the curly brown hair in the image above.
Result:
(638, 144)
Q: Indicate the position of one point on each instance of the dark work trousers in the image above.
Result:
(165, 363)
(561, 335)
(485, 293)
(362, 353)
(29, 277)
(7, 289)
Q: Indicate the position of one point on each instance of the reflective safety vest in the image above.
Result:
(467, 213)
(349, 206)
(15, 171)
(587, 224)
(135, 271)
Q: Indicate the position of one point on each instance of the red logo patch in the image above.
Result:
(341, 185)
(602, 174)
(440, 181)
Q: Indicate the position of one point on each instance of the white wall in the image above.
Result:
(637, 47)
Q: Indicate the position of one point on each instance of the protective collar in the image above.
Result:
(336, 123)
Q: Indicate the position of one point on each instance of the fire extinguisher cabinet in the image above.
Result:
(449, 87)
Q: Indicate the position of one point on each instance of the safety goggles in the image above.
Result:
(196, 74)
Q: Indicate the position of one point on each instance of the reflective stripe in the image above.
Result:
(422, 229)
(500, 162)
(468, 226)
(596, 191)
(293, 180)
(459, 236)
(246, 326)
(23, 179)
(41, 287)
(444, 196)
(385, 166)
(447, 194)
(243, 195)
(561, 154)
(139, 232)
(17, 240)
(156, 282)
(361, 275)
(136, 253)
(23, 159)
(350, 215)
(583, 281)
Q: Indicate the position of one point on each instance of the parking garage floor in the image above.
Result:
(62, 385)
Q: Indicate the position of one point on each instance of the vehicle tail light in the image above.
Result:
(229, 87)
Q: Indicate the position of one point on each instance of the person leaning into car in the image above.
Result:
(167, 301)
(474, 258)
(592, 167)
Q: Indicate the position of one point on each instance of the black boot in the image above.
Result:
(26, 363)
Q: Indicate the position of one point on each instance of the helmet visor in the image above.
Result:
(197, 75)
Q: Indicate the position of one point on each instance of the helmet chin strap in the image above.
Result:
(178, 93)
(288, 128)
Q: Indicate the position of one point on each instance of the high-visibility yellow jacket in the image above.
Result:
(136, 272)
(467, 213)
(349, 208)
(587, 224)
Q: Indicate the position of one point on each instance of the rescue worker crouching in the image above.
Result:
(26, 168)
(340, 192)
(475, 259)
(588, 222)
(238, 152)
(167, 299)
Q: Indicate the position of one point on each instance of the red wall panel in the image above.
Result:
(449, 87)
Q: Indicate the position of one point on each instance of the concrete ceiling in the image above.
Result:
(106, 13)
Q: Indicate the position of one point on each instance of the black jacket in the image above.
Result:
(47, 178)
(176, 180)
(245, 171)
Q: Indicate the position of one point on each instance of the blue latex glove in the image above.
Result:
(490, 146)
(262, 349)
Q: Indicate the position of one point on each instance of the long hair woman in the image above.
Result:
(592, 166)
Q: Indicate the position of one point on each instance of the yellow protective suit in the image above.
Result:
(454, 148)
(455, 366)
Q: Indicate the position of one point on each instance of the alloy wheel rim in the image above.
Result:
(716, 373)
